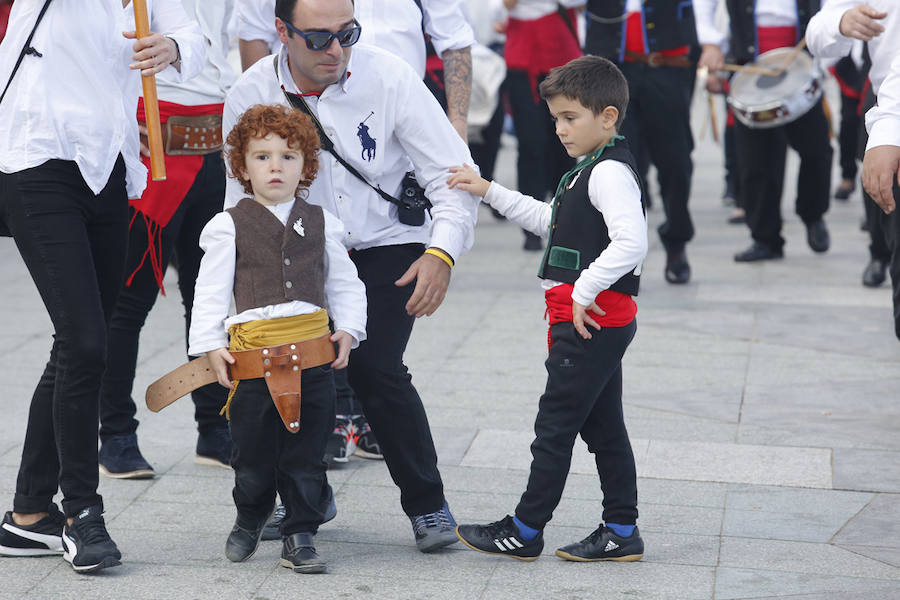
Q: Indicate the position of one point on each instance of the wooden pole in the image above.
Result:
(151, 102)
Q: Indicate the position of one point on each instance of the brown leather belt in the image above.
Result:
(280, 366)
(655, 59)
(191, 135)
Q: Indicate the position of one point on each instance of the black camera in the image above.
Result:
(413, 202)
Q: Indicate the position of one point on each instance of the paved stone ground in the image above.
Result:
(761, 400)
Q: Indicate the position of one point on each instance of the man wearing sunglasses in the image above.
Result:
(383, 121)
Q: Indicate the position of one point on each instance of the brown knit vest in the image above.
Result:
(274, 263)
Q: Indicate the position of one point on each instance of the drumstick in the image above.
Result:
(750, 69)
(792, 55)
(151, 102)
(712, 116)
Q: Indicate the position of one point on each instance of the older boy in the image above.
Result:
(597, 239)
(283, 260)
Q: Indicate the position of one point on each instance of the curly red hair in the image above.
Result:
(260, 120)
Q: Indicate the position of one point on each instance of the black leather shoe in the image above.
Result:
(677, 268)
(604, 544)
(532, 242)
(737, 217)
(243, 542)
(817, 236)
(875, 273)
(758, 251)
(847, 187)
(299, 554)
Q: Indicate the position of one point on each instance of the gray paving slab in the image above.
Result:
(868, 470)
(735, 584)
(875, 525)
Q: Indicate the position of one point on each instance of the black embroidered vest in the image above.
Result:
(744, 45)
(667, 24)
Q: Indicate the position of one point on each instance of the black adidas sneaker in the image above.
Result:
(604, 544)
(87, 544)
(502, 538)
(39, 539)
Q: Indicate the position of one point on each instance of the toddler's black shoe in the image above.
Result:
(41, 538)
(604, 544)
(299, 554)
(87, 544)
(501, 537)
(242, 542)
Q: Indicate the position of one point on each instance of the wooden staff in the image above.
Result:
(151, 102)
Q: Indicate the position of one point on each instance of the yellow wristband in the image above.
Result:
(441, 255)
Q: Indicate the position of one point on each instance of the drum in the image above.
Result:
(763, 101)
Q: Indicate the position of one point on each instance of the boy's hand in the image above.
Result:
(466, 179)
(220, 358)
(344, 340)
(580, 317)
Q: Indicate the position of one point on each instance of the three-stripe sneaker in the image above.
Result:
(39, 539)
(501, 537)
(87, 543)
(604, 544)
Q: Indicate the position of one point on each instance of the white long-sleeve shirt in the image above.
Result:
(614, 192)
(78, 102)
(535, 9)
(392, 25)
(883, 120)
(345, 294)
(217, 75)
(823, 35)
(407, 124)
(768, 13)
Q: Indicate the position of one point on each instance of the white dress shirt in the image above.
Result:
(883, 120)
(406, 123)
(217, 75)
(392, 25)
(78, 102)
(768, 13)
(345, 294)
(614, 192)
(527, 10)
(824, 35)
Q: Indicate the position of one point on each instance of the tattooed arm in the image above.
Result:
(458, 85)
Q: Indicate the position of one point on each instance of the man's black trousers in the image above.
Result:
(383, 384)
(73, 243)
(583, 396)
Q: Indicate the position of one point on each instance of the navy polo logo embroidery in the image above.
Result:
(367, 141)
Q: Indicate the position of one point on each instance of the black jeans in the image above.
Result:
(73, 243)
(542, 160)
(267, 457)
(383, 384)
(583, 395)
(180, 237)
(658, 120)
(761, 155)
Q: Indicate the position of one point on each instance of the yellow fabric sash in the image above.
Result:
(274, 332)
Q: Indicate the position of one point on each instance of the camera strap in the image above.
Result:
(26, 49)
(298, 103)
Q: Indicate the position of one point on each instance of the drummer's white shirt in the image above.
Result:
(79, 101)
(883, 121)
(824, 35)
(769, 13)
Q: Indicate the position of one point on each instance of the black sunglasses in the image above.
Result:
(321, 40)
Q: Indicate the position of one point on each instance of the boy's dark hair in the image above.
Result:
(259, 121)
(591, 80)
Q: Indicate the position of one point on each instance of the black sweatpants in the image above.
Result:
(383, 384)
(583, 396)
(179, 238)
(658, 120)
(267, 457)
(73, 243)
(761, 155)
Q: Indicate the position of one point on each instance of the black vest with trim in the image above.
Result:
(668, 24)
(275, 263)
(744, 45)
(578, 231)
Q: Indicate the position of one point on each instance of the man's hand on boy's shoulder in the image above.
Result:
(580, 316)
(432, 277)
(468, 180)
(219, 359)
(344, 341)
